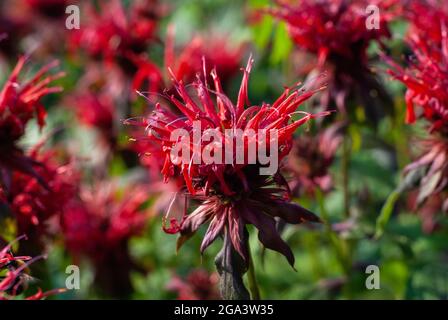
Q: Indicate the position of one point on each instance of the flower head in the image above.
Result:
(332, 28)
(98, 226)
(19, 103)
(120, 38)
(335, 31)
(231, 193)
(111, 33)
(310, 159)
(34, 202)
(426, 78)
(96, 110)
(426, 75)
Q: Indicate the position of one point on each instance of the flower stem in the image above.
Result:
(231, 269)
(253, 285)
(345, 174)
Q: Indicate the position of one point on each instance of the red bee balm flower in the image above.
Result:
(99, 226)
(120, 38)
(231, 193)
(336, 32)
(96, 110)
(19, 102)
(216, 50)
(426, 79)
(34, 202)
(111, 34)
(311, 158)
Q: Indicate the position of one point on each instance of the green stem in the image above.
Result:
(345, 174)
(386, 213)
(253, 285)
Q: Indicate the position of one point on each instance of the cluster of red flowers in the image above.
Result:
(33, 21)
(119, 39)
(35, 189)
(22, 174)
(97, 223)
(110, 34)
(426, 79)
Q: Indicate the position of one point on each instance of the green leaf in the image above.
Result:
(261, 33)
(282, 46)
(386, 213)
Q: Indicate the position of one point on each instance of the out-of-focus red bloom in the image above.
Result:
(15, 279)
(335, 31)
(121, 39)
(426, 76)
(99, 100)
(333, 28)
(99, 226)
(34, 202)
(215, 49)
(310, 159)
(110, 33)
(96, 110)
(19, 103)
(199, 285)
(230, 195)
(425, 79)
